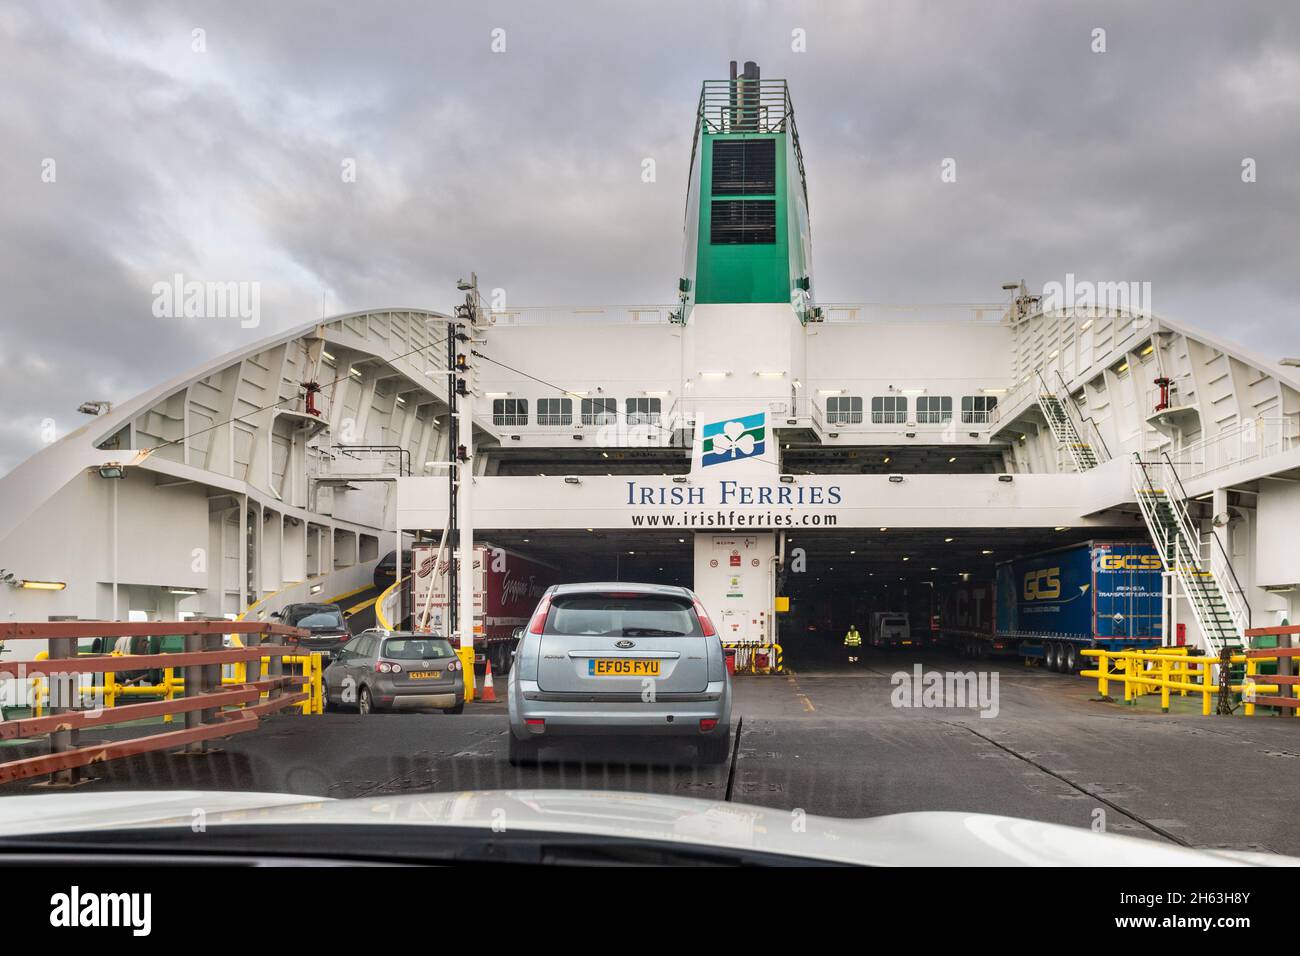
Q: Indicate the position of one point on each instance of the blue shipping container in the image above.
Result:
(1091, 591)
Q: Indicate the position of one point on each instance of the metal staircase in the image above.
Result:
(1202, 566)
(1068, 435)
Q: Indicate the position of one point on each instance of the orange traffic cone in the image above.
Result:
(489, 695)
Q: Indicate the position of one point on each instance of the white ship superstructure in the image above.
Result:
(892, 446)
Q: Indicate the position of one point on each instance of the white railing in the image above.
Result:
(865, 312)
(1251, 440)
(846, 418)
(603, 315)
(1183, 552)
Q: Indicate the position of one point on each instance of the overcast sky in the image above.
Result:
(226, 163)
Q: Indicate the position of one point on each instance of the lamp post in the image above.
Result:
(113, 471)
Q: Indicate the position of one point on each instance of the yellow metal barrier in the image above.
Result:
(173, 684)
(1170, 669)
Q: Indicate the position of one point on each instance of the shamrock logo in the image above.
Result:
(733, 439)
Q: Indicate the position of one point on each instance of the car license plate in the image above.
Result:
(425, 675)
(622, 667)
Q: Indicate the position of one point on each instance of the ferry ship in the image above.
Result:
(799, 463)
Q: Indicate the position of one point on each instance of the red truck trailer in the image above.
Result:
(507, 588)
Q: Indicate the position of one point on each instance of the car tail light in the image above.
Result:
(453, 666)
(706, 625)
(386, 667)
(539, 616)
(708, 723)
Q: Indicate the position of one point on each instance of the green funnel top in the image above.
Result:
(747, 236)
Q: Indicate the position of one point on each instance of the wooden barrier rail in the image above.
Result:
(203, 704)
(1285, 655)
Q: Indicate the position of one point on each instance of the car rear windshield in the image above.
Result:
(416, 649)
(622, 615)
(318, 617)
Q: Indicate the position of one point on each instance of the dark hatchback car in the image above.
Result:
(386, 569)
(325, 622)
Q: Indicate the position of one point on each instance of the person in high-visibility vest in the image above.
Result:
(853, 638)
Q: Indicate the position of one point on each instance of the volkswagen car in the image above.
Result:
(390, 670)
(622, 660)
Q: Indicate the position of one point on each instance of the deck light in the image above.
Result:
(572, 480)
(787, 479)
(43, 585)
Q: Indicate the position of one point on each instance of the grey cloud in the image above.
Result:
(526, 165)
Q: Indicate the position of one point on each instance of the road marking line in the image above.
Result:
(347, 594)
(360, 607)
(807, 703)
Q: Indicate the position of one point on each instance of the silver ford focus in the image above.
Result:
(618, 659)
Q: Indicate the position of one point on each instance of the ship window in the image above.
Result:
(742, 222)
(889, 410)
(744, 167)
(643, 411)
(555, 411)
(599, 411)
(510, 411)
(934, 409)
(978, 409)
(844, 410)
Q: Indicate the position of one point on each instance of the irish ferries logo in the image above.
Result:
(732, 439)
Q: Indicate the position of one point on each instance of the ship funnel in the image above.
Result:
(744, 97)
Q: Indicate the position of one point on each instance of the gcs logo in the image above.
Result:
(1043, 584)
(1130, 562)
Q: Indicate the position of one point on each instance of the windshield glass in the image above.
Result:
(416, 649)
(622, 616)
(488, 499)
(317, 618)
